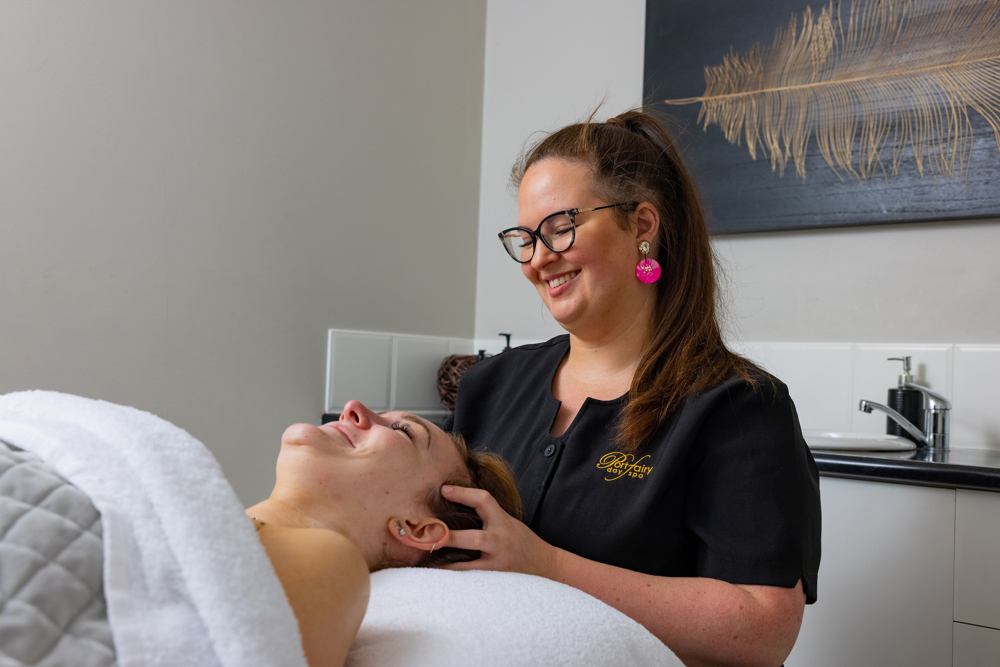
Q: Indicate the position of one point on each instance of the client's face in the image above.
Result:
(375, 467)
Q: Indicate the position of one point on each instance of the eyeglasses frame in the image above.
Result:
(536, 235)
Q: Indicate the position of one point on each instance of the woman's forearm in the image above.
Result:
(704, 621)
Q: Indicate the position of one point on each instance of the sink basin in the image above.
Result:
(860, 442)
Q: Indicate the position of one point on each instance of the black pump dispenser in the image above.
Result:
(907, 402)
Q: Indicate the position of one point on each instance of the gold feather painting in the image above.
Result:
(898, 73)
(899, 98)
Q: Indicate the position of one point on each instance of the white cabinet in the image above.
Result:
(976, 646)
(885, 579)
(977, 559)
(910, 576)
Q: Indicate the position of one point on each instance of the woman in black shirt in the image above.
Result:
(659, 471)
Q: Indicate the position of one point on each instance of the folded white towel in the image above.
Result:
(441, 618)
(187, 581)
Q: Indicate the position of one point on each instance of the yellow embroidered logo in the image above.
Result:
(618, 465)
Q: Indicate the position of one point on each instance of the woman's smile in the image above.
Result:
(561, 283)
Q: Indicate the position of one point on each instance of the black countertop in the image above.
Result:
(977, 469)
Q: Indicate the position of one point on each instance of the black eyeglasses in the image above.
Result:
(557, 232)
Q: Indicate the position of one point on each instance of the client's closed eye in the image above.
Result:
(405, 427)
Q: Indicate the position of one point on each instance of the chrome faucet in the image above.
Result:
(936, 408)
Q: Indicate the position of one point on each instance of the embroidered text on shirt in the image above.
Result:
(618, 465)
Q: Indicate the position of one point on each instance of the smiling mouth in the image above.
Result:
(556, 282)
(335, 426)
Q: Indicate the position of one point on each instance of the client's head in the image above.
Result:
(376, 478)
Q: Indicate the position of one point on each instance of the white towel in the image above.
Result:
(187, 581)
(441, 618)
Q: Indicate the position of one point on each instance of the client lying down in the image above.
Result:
(359, 495)
(102, 503)
(121, 542)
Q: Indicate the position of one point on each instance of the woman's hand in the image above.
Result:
(505, 543)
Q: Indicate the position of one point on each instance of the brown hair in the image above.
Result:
(486, 471)
(634, 159)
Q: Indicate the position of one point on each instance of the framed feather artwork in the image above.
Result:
(796, 116)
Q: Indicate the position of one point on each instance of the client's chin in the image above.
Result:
(308, 434)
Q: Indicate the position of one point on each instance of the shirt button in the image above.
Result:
(549, 451)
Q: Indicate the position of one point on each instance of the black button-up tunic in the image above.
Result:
(726, 489)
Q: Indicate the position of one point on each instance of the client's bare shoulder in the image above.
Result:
(327, 583)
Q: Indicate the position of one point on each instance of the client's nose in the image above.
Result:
(356, 413)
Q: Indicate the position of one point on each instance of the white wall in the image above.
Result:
(547, 64)
(907, 283)
(192, 193)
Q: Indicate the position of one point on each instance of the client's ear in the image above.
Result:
(426, 533)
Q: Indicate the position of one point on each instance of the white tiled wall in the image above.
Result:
(359, 366)
(976, 413)
(827, 380)
(389, 371)
(799, 364)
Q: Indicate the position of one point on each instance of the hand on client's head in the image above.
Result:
(485, 472)
(502, 542)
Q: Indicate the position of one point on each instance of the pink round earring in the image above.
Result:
(647, 270)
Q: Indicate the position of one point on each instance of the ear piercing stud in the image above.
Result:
(401, 530)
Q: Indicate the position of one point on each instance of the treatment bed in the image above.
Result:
(121, 543)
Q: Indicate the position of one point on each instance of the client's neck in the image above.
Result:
(281, 512)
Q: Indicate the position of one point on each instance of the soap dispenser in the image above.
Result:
(907, 402)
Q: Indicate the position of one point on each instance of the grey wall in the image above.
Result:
(191, 193)
(935, 283)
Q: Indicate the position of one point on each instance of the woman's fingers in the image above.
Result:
(475, 498)
(486, 506)
(504, 543)
(474, 540)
